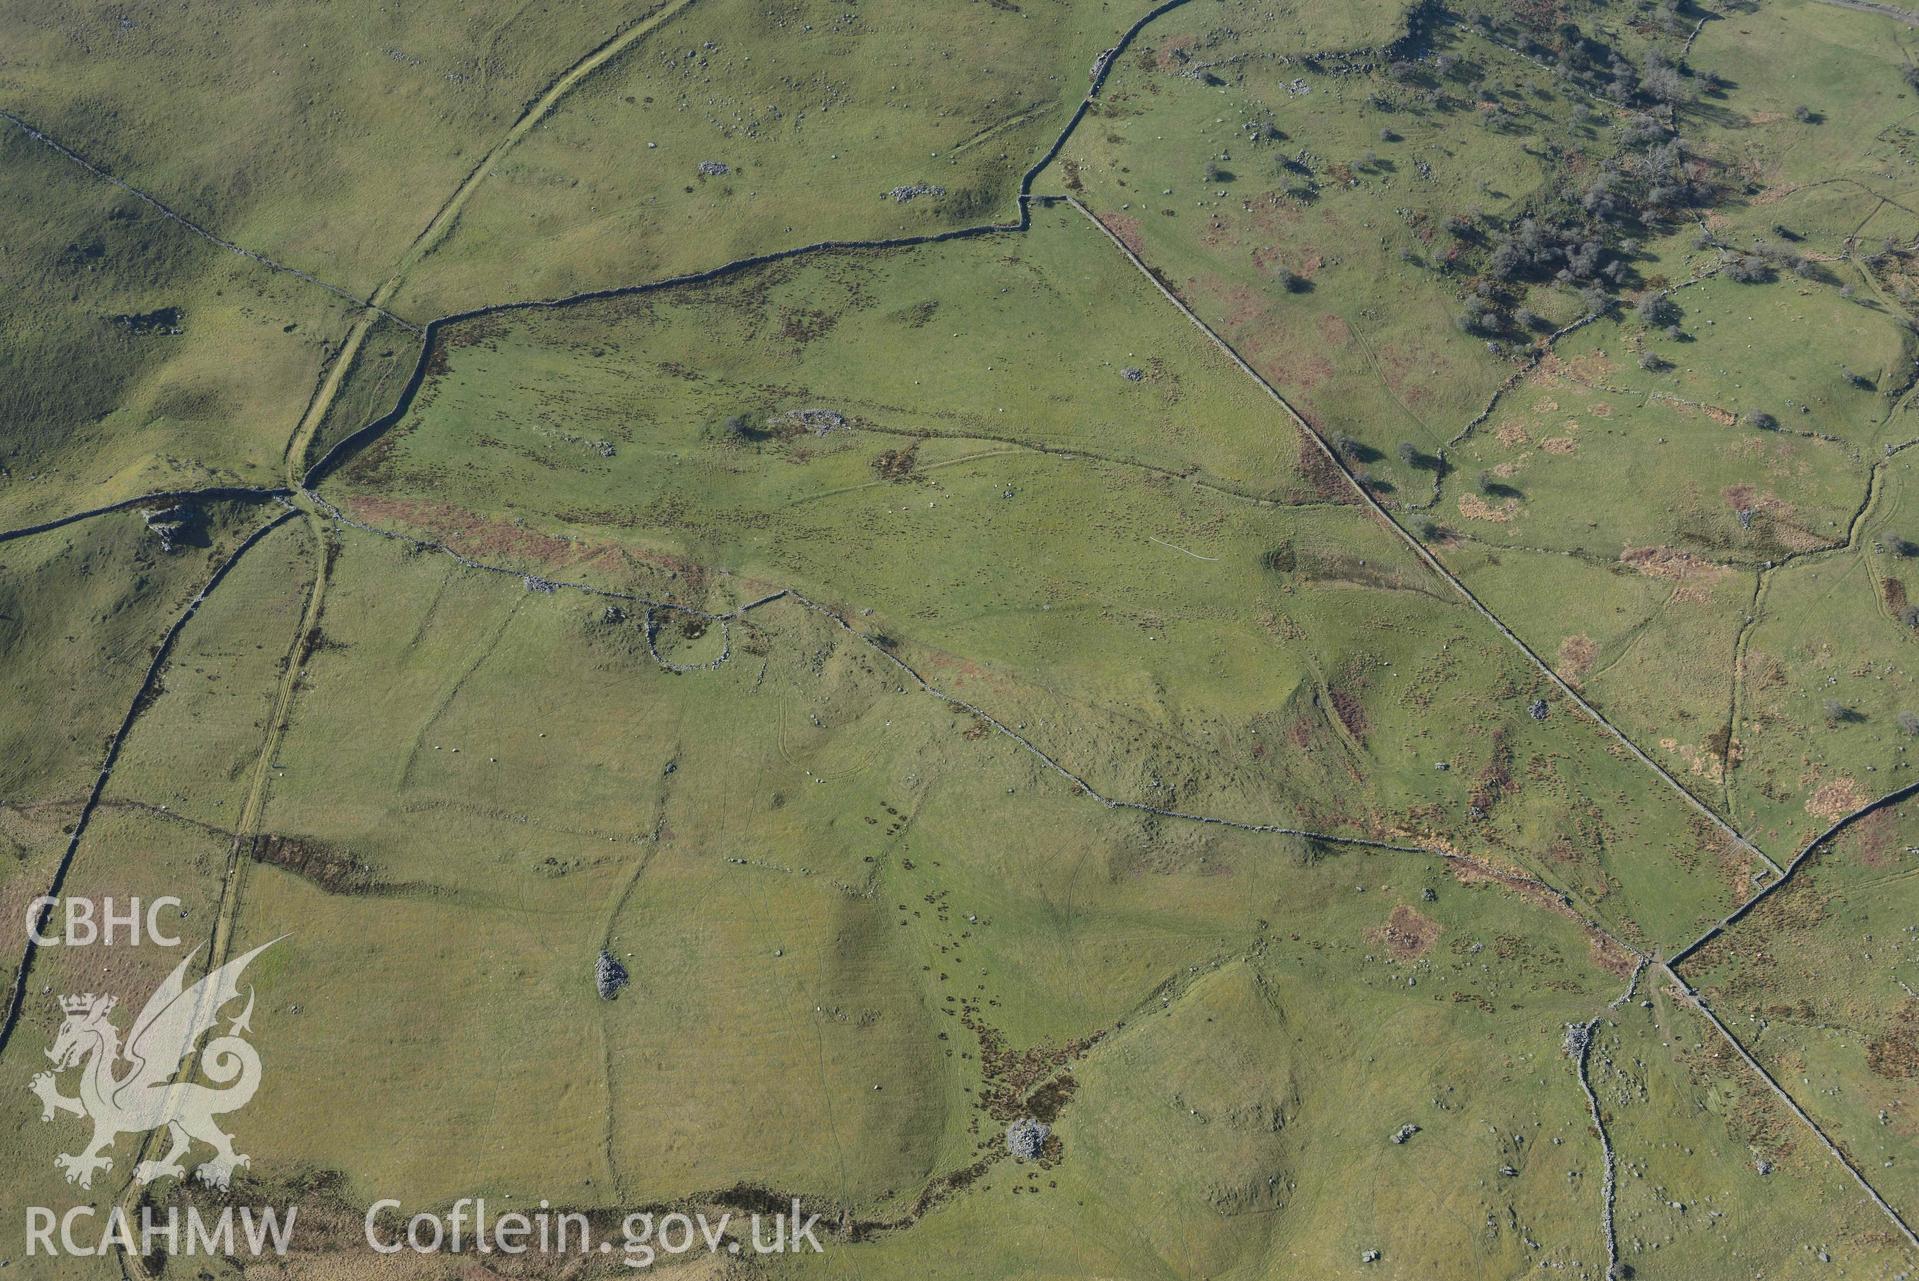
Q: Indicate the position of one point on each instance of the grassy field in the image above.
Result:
(1213, 635)
(824, 123)
(1813, 982)
(138, 357)
(944, 682)
(1595, 455)
(82, 610)
(1846, 168)
(1691, 1126)
(1301, 208)
(325, 138)
(824, 884)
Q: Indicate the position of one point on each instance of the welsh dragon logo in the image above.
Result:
(139, 1087)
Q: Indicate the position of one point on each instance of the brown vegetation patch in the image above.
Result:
(1876, 836)
(1322, 475)
(1695, 577)
(502, 542)
(1306, 371)
(1126, 228)
(1896, 1054)
(1834, 800)
(1609, 956)
(1576, 655)
(1761, 671)
(1351, 712)
(1512, 434)
(1473, 507)
(1496, 778)
(1407, 935)
(1173, 52)
(333, 870)
(896, 464)
(1669, 562)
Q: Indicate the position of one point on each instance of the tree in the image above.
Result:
(1761, 420)
(1479, 321)
(1666, 84)
(1656, 310)
(1908, 722)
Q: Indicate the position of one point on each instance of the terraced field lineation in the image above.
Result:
(446, 218)
(1079, 784)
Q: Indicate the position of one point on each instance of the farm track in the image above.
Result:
(1893, 11)
(308, 502)
(147, 690)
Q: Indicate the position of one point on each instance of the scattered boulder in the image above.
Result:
(609, 976)
(1132, 373)
(817, 421)
(714, 169)
(1026, 1137)
(1405, 1132)
(900, 195)
(171, 525)
(165, 320)
(1538, 709)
